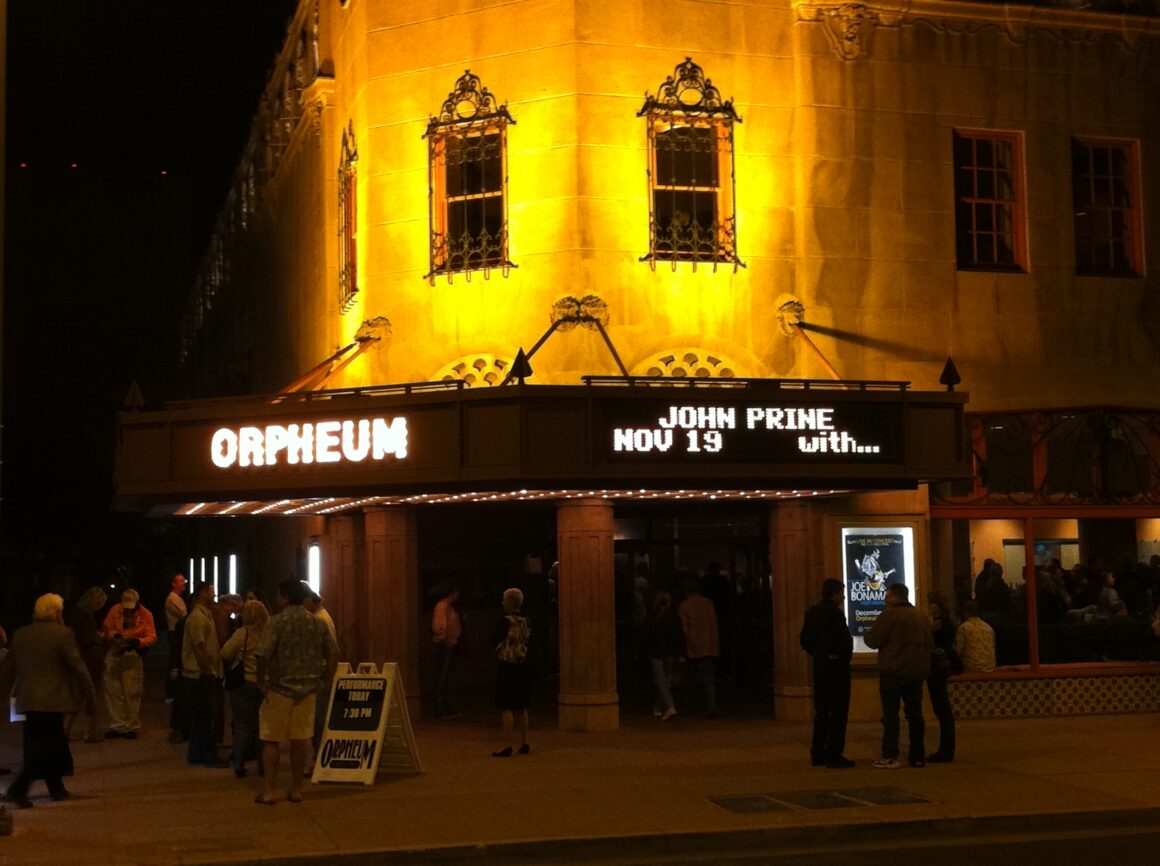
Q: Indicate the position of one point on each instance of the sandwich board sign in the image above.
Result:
(368, 729)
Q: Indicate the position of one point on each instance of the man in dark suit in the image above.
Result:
(48, 673)
(826, 637)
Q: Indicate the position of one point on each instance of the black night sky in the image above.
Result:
(124, 121)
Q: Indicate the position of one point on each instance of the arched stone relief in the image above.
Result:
(690, 362)
(478, 370)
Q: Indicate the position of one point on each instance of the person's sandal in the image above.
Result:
(525, 749)
(505, 752)
(294, 796)
(262, 801)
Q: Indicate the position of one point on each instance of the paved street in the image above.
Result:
(657, 792)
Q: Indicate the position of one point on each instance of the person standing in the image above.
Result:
(175, 692)
(201, 661)
(943, 665)
(128, 630)
(84, 624)
(242, 649)
(313, 604)
(826, 637)
(662, 644)
(297, 651)
(511, 638)
(903, 639)
(47, 672)
(702, 646)
(446, 630)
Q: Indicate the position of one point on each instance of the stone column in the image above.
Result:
(390, 596)
(791, 553)
(588, 698)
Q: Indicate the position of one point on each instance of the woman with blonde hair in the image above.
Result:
(245, 700)
(84, 622)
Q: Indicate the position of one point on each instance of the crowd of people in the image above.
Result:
(1086, 613)
(914, 648)
(275, 670)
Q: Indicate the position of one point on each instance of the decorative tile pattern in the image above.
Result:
(1066, 696)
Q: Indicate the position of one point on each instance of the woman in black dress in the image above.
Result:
(513, 681)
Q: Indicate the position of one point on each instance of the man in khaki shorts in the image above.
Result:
(297, 650)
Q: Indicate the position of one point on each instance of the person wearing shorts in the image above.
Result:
(296, 652)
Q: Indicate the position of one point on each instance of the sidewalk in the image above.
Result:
(135, 802)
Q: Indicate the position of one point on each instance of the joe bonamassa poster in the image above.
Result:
(874, 561)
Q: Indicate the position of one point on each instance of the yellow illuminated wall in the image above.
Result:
(844, 194)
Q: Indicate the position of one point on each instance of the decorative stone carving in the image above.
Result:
(850, 26)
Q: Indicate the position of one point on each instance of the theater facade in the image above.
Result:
(782, 290)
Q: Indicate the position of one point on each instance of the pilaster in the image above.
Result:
(588, 696)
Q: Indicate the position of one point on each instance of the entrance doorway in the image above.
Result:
(726, 556)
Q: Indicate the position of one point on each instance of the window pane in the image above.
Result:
(1100, 162)
(686, 156)
(983, 153)
(474, 164)
(985, 183)
(984, 217)
(1003, 154)
(686, 224)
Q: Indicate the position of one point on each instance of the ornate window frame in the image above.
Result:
(347, 220)
(990, 200)
(467, 182)
(1105, 182)
(689, 116)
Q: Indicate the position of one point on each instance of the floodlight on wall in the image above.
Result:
(370, 333)
(791, 314)
(568, 312)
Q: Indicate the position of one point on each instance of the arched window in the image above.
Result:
(467, 164)
(347, 221)
(690, 175)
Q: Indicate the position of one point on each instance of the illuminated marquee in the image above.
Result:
(325, 442)
(745, 431)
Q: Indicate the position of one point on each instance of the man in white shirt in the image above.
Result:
(175, 612)
(201, 661)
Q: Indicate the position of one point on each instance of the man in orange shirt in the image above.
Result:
(128, 628)
(446, 630)
(702, 644)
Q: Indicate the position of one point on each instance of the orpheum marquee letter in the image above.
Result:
(324, 442)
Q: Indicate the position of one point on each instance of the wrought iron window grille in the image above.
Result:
(1083, 456)
(347, 220)
(467, 182)
(691, 180)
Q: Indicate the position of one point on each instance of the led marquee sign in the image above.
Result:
(839, 432)
(351, 441)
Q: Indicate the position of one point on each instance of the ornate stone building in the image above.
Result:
(706, 193)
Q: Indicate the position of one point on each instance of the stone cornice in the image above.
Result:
(850, 26)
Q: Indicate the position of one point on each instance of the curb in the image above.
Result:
(726, 844)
